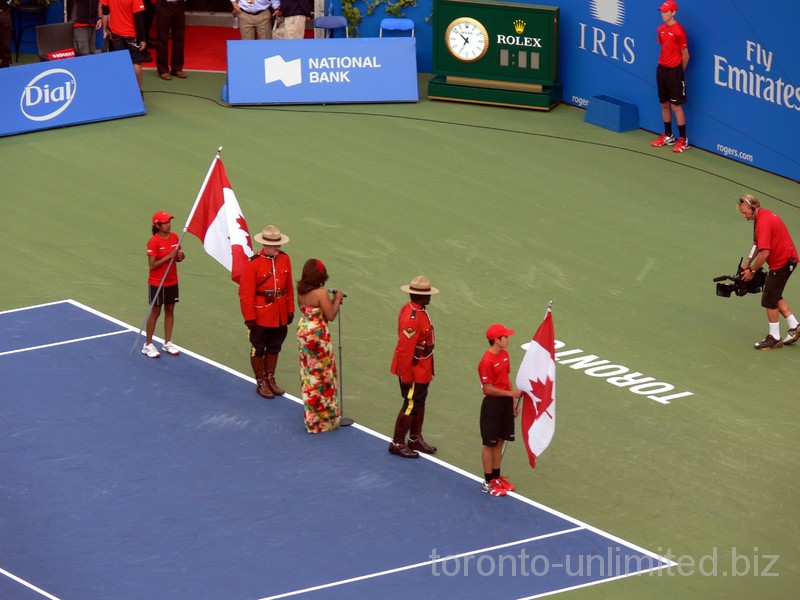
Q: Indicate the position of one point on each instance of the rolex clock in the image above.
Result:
(495, 52)
(467, 39)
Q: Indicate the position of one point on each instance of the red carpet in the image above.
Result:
(205, 48)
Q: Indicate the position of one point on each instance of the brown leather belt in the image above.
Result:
(272, 294)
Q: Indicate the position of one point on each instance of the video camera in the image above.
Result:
(740, 287)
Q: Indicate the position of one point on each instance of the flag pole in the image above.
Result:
(172, 260)
(202, 189)
(505, 443)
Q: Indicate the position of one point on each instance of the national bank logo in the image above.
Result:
(610, 11)
(48, 94)
(289, 73)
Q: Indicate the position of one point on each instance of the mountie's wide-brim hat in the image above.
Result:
(420, 285)
(271, 236)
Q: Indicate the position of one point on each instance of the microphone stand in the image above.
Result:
(344, 421)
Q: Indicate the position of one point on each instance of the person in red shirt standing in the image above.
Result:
(498, 409)
(266, 297)
(772, 245)
(123, 23)
(413, 364)
(672, 62)
(163, 252)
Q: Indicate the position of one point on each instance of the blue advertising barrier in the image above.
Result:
(325, 71)
(68, 92)
(743, 79)
(742, 82)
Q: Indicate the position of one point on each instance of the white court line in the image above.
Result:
(422, 564)
(579, 524)
(62, 343)
(13, 310)
(29, 585)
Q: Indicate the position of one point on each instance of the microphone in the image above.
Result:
(333, 291)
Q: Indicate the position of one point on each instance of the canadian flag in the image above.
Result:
(537, 379)
(217, 220)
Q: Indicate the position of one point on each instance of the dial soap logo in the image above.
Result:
(48, 95)
(610, 11)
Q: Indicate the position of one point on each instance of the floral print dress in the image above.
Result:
(317, 371)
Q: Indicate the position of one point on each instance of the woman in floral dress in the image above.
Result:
(317, 364)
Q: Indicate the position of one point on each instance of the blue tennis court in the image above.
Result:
(130, 478)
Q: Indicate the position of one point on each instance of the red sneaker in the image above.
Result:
(493, 488)
(663, 140)
(506, 484)
(682, 145)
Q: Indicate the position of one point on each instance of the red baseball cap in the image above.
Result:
(497, 330)
(668, 6)
(161, 217)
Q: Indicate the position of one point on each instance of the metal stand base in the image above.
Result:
(346, 421)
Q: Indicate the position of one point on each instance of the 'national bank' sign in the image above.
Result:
(324, 71)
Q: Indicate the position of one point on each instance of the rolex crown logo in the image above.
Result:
(519, 26)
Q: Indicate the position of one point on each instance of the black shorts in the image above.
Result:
(774, 286)
(167, 295)
(671, 85)
(267, 340)
(414, 395)
(497, 420)
(126, 43)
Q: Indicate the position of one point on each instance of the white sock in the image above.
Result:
(775, 330)
(792, 322)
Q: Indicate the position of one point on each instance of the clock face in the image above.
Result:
(467, 39)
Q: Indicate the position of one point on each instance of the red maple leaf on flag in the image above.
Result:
(243, 226)
(543, 395)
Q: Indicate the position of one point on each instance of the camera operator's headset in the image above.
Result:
(754, 249)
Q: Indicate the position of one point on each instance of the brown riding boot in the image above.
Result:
(270, 362)
(416, 441)
(398, 444)
(262, 388)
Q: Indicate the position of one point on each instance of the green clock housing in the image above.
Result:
(495, 53)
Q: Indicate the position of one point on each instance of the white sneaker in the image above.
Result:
(792, 337)
(150, 350)
(170, 348)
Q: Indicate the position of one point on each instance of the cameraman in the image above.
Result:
(772, 245)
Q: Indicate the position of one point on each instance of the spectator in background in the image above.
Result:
(123, 24)
(170, 24)
(672, 62)
(149, 14)
(86, 21)
(5, 33)
(255, 17)
(295, 15)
